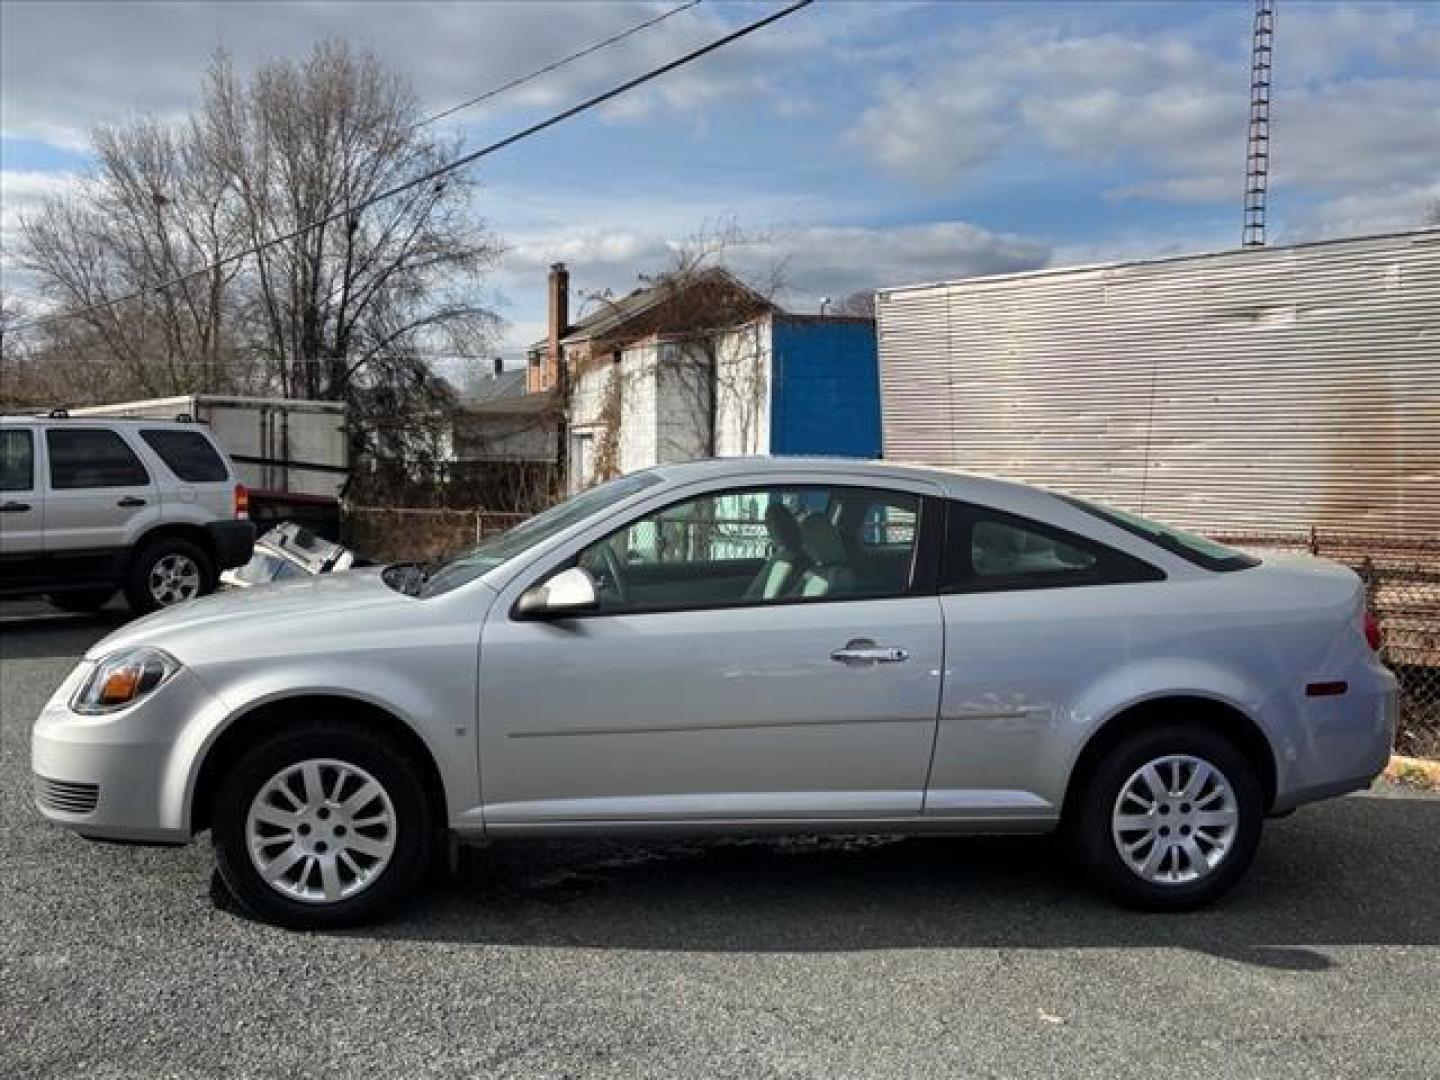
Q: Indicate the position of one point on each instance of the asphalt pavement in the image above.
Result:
(806, 957)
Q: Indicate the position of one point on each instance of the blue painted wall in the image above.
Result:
(824, 389)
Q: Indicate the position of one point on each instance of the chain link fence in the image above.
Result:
(1402, 581)
(402, 534)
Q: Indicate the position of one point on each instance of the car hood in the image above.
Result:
(290, 609)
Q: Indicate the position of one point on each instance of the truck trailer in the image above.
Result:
(279, 445)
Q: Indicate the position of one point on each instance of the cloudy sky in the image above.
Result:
(870, 143)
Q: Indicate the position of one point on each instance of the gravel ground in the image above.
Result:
(809, 957)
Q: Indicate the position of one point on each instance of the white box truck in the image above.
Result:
(278, 445)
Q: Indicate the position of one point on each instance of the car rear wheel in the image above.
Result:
(323, 827)
(168, 572)
(1170, 819)
(82, 601)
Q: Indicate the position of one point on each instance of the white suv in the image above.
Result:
(88, 506)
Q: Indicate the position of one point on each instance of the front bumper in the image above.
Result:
(124, 776)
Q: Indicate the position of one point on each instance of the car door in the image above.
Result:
(22, 509)
(692, 695)
(1034, 616)
(100, 497)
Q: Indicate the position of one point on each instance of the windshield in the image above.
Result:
(502, 547)
(1189, 546)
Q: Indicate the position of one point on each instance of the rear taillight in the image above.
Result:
(1373, 634)
(242, 502)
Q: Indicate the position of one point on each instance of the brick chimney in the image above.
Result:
(559, 321)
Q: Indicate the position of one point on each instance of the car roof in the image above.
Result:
(101, 421)
(1005, 494)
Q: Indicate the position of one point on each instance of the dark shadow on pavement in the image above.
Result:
(35, 631)
(1356, 871)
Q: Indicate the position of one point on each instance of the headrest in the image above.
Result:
(784, 530)
(821, 541)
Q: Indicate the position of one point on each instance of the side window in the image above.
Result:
(988, 550)
(187, 454)
(759, 546)
(1007, 549)
(92, 458)
(17, 461)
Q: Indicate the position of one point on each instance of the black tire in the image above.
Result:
(81, 601)
(414, 837)
(138, 592)
(1094, 844)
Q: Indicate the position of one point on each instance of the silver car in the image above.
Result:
(740, 645)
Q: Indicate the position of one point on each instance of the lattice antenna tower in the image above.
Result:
(1257, 149)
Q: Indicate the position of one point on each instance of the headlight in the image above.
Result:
(123, 678)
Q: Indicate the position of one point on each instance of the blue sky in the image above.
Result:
(867, 144)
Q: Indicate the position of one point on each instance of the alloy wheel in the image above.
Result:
(321, 830)
(1175, 820)
(173, 578)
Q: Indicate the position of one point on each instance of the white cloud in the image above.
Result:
(815, 261)
(1385, 208)
(67, 66)
(953, 129)
(21, 192)
(1173, 110)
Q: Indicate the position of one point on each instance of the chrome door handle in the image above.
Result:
(865, 651)
(129, 501)
(13, 507)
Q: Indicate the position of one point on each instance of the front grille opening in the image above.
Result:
(66, 796)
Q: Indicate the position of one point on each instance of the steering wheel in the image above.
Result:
(613, 570)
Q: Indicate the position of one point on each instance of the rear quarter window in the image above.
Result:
(990, 550)
(187, 454)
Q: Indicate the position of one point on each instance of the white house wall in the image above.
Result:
(638, 402)
(681, 424)
(742, 410)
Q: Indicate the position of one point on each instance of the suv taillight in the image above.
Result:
(1373, 634)
(242, 502)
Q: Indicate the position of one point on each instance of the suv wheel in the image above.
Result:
(82, 601)
(1170, 819)
(323, 827)
(168, 572)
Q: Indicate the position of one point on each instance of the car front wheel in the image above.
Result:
(322, 827)
(1170, 819)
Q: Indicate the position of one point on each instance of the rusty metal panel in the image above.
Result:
(1269, 389)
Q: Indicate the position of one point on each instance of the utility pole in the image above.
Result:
(1257, 150)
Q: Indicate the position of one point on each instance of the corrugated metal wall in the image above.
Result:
(1273, 389)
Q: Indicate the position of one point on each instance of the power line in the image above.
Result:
(562, 62)
(434, 175)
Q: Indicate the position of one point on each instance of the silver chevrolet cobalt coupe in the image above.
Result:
(736, 646)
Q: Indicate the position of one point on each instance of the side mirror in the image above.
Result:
(567, 592)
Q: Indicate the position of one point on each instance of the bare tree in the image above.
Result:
(1432, 213)
(709, 357)
(149, 220)
(860, 305)
(347, 310)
